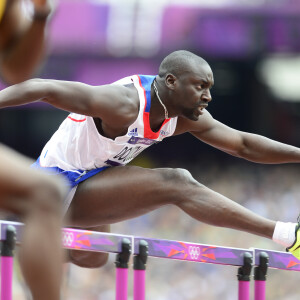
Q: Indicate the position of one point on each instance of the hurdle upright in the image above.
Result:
(7, 253)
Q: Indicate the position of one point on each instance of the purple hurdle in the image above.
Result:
(7, 254)
(143, 247)
(179, 250)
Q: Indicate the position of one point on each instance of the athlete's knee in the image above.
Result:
(179, 177)
(86, 259)
(46, 196)
(42, 201)
(179, 185)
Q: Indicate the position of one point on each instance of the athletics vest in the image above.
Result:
(77, 146)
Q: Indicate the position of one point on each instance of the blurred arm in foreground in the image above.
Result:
(22, 38)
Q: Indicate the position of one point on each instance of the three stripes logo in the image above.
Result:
(133, 132)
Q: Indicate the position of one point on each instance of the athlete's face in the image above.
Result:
(193, 91)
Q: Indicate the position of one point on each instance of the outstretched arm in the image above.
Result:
(245, 145)
(22, 41)
(115, 105)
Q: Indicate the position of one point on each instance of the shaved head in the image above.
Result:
(179, 62)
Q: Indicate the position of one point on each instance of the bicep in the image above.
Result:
(77, 97)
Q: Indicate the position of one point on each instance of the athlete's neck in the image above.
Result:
(157, 111)
(160, 101)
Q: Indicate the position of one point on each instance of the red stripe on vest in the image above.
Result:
(148, 133)
(75, 120)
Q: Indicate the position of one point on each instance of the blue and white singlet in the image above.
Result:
(78, 151)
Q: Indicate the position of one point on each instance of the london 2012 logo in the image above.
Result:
(67, 238)
(164, 133)
(194, 252)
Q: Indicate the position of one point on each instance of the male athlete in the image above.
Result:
(111, 124)
(22, 38)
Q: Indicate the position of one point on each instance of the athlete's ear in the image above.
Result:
(170, 81)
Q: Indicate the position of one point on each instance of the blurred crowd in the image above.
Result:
(271, 191)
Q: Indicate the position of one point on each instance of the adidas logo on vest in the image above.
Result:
(133, 132)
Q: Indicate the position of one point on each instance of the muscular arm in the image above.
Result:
(115, 105)
(245, 145)
(22, 41)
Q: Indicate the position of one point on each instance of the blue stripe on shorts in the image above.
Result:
(73, 177)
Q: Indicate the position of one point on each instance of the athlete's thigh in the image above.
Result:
(119, 193)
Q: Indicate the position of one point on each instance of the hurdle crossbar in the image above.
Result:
(78, 239)
(278, 259)
(192, 252)
(160, 248)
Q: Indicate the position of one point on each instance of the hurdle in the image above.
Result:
(142, 248)
(71, 239)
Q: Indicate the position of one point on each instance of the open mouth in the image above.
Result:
(202, 107)
(199, 110)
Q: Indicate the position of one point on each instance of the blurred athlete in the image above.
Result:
(22, 38)
(36, 199)
(111, 124)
